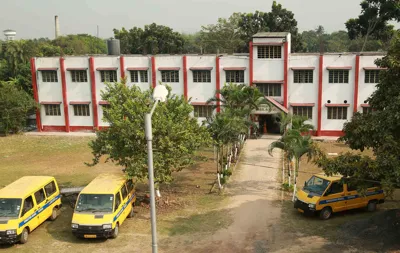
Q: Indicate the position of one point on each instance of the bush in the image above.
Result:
(286, 187)
(14, 107)
(227, 173)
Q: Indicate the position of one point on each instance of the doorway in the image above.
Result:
(269, 124)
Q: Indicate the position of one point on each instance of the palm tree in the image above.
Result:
(16, 53)
(299, 123)
(302, 145)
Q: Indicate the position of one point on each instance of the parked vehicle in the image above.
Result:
(102, 206)
(25, 204)
(330, 194)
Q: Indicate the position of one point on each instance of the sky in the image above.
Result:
(34, 19)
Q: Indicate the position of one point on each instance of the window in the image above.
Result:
(336, 187)
(52, 110)
(202, 76)
(50, 188)
(339, 76)
(170, 76)
(303, 76)
(28, 205)
(270, 89)
(108, 76)
(367, 110)
(203, 111)
(304, 111)
(234, 76)
(269, 52)
(129, 185)
(49, 76)
(124, 192)
(139, 76)
(372, 76)
(117, 201)
(79, 76)
(337, 112)
(39, 196)
(81, 110)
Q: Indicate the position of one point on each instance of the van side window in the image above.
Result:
(352, 185)
(39, 196)
(336, 187)
(50, 188)
(28, 205)
(124, 192)
(129, 185)
(117, 201)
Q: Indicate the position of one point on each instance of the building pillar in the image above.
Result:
(356, 80)
(36, 94)
(320, 81)
(94, 99)
(64, 94)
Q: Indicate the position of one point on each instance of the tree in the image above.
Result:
(153, 39)
(278, 19)
(14, 106)
(78, 44)
(16, 53)
(176, 135)
(378, 130)
(223, 37)
(373, 20)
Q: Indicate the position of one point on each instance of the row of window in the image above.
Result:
(339, 112)
(335, 76)
(204, 76)
(55, 110)
(202, 111)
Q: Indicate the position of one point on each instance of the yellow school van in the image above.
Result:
(331, 194)
(25, 204)
(102, 206)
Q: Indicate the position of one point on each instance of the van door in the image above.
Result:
(28, 215)
(354, 200)
(51, 193)
(40, 198)
(334, 197)
(117, 206)
(124, 194)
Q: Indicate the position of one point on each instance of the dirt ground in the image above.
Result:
(252, 215)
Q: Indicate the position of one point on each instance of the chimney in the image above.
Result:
(57, 24)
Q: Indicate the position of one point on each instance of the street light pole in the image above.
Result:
(149, 138)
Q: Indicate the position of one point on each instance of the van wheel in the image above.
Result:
(131, 213)
(325, 213)
(24, 236)
(115, 232)
(54, 215)
(371, 207)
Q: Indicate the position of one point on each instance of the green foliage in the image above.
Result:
(223, 37)
(373, 20)
(378, 130)
(14, 106)
(76, 44)
(286, 187)
(227, 173)
(153, 39)
(176, 135)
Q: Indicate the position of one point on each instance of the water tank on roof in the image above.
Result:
(113, 47)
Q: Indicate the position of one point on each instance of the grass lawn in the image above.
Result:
(186, 207)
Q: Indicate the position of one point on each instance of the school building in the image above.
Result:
(327, 88)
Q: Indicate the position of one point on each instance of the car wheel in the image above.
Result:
(325, 213)
(24, 236)
(131, 213)
(115, 232)
(54, 214)
(371, 207)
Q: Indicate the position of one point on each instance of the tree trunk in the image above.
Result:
(289, 170)
(296, 168)
(283, 169)
(217, 159)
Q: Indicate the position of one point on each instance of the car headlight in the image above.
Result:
(73, 225)
(107, 226)
(312, 206)
(11, 232)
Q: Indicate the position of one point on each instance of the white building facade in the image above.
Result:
(326, 88)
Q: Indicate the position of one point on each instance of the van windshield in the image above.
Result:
(10, 208)
(95, 203)
(316, 185)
